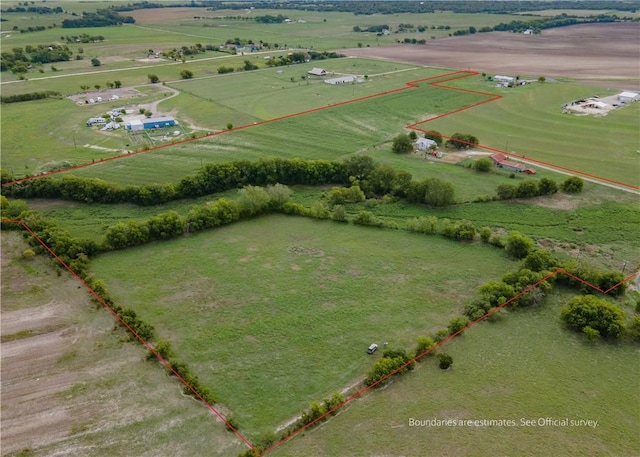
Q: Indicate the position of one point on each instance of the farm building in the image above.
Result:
(504, 79)
(424, 144)
(151, 123)
(317, 72)
(502, 161)
(628, 97)
(134, 125)
(341, 80)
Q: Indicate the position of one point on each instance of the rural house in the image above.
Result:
(317, 72)
(424, 144)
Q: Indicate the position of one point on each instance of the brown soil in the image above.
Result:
(587, 52)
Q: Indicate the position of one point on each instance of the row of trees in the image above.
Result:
(534, 188)
(29, 96)
(483, 6)
(373, 179)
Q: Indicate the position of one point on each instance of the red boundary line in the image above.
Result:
(133, 332)
(349, 399)
(408, 85)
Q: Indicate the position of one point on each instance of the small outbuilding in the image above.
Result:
(628, 97)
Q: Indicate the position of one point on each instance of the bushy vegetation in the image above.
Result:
(599, 316)
(391, 362)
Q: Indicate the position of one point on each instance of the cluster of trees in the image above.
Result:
(29, 96)
(534, 188)
(372, 28)
(270, 19)
(289, 59)
(19, 60)
(462, 141)
(594, 317)
(391, 361)
(414, 41)
(33, 28)
(101, 18)
(84, 38)
(176, 54)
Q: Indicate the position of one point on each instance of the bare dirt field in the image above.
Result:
(590, 52)
(71, 385)
(164, 15)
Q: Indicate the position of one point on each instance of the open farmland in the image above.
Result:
(257, 296)
(274, 312)
(527, 120)
(525, 366)
(585, 52)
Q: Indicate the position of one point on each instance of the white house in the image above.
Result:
(504, 79)
(628, 97)
(424, 144)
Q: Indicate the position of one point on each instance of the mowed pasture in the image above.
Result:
(525, 366)
(276, 312)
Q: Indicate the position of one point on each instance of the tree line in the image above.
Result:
(383, 7)
(29, 96)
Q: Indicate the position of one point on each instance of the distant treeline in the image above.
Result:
(33, 9)
(101, 18)
(29, 96)
(386, 7)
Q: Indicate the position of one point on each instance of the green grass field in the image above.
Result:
(276, 312)
(525, 366)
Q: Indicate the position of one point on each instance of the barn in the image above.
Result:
(158, 122)
(628, 97)
(502, 161)
(151, 123)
